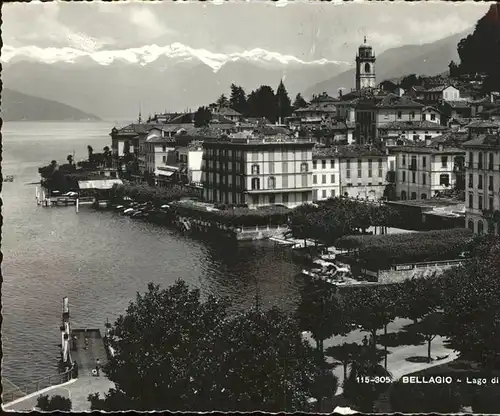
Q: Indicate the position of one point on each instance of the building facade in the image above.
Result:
(159, 151)
(482, 187)
(190, 158)
(363, 172)
(325, 173)
(258, 171)
(421, 172)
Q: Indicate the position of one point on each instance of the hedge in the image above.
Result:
(388, 249)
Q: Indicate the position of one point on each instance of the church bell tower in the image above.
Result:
(365, 67)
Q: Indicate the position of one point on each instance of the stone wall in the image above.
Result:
(395, 276)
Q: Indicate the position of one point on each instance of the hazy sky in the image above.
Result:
(306, 30)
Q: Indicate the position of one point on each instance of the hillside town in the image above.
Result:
(437, 139)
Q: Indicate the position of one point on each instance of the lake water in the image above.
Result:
(100, 260)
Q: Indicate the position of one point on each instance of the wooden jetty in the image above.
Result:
(42, 199)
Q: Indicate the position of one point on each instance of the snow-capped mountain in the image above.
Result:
(150, 53)
(115, 83)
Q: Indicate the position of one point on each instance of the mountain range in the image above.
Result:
(22, 107)
(118, 83)
(115, 84)
(428, 59)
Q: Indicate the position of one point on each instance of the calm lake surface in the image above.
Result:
(100, 260)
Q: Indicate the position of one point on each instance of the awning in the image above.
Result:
(166, 173)
(99, 184)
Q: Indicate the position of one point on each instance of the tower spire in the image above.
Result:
(364, 39)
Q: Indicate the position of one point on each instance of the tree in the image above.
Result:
(283, 102)
(299, 102)
(53, 403)
(222, 101)
(359, 387)
(453, 68)
(409, 81)
(472, 305)
(322, 313)
(345, 353)
(202, 117)
(425, 398)
(429, 327)
(262, 103)
(480, 51)
(175, 352)
(90, 151)
(418, 297)
(238, 99)
(108, 156)
(70, 159)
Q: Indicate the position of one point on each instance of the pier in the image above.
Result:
(81, 350)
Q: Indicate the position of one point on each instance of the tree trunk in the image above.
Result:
(429, 350)
(374, 339)
(345, 370)
(385, 346)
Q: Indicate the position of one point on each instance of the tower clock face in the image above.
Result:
(367, 68)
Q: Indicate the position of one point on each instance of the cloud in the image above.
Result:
(148, 23)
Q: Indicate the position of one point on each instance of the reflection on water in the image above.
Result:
(100, 259)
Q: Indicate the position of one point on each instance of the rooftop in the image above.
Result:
(412, 125)
(421, 147)
(227, 111)
(458, 104)
(483, 124)
(394, 101)
(489, 141)
(261, 140)
(347, 151)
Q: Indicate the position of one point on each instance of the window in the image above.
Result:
(480, 227)
(323, 164)
(272, 199)
(471, 180)
(490, 205)
(164, 149)
(315, 164)
(255, 156)
(444, 179)
(332, 193)
(359, 173)
(303, 167)
(323, 193)
(414, 177)
(315, 179)
(323, 179)
(348, 164)
(412, 115)
(480, 182)
(285, 167)
(271, 167)
(433, 117)
(480, 202)
(403, 195)
(400, 114)
(315, 194)
(403, 160)
(471, 201)
(255, 184)
(424, 178)
(255, 199)
(403, 176)
(304, 181)
(490, 183)
(164, 159)
(271, 156)
(285, 199)
(490, 161)
(360, 162)
(271, 182)
(332, 163)
(305, 196)
(471, 159)
(284, 181)
(255, 169)
(348, 174)
(480, 161)
(332, 178)
(413, 195)
(470, 225)
(444, 161)
(423, 196)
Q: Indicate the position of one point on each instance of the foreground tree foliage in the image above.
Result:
(425, 398)
(472, 305)
(53, 403)
(176, 352)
